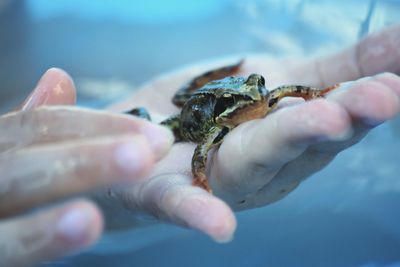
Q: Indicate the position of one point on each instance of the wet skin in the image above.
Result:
(215, 102)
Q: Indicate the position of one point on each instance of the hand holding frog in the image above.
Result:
(262, 160)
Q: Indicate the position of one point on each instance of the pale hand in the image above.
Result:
(261, 161)
(51, 153)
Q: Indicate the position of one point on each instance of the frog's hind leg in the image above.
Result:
(184, 93)
(304, 92)
(174, 124)
(199, 159)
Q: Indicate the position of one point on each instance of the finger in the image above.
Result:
(375, 54)
(255, 151)
(368, 102)
(54, 88)
(55, 124)
(51, 172)
(48, 235)
(172, 198)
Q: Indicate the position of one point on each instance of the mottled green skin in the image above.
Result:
(208, 114)
(202, 111)
(212, 106)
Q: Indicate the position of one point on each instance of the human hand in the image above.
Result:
(263, 160)
(51, 153)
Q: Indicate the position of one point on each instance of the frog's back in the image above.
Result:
(219, 87)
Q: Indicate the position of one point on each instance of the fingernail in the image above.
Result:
(41, 93)
(130, 157)
(159, 137)
(37, 97)
(74, 226)
(224, 239)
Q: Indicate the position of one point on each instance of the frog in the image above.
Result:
(215, 102)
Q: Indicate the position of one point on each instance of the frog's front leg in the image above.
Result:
(304, 92)
(199, 160)
(173, 122)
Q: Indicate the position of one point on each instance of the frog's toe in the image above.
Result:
(139, 112)
(202, 182)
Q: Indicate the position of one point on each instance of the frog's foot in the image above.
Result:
(201, 181)
(326, 90)
(139, 112)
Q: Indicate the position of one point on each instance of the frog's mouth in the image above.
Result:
(237, 114)
(223, 104)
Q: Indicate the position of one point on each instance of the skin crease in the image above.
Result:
(259, 162)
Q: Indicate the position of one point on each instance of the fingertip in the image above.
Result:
(79, 225)
(159, 137)
(371, 101)
(133, 157)
(209, 215)
(223, 232)
(50, 234)
(55, 87)
(64, 92)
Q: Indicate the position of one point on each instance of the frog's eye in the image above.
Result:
(222, 104)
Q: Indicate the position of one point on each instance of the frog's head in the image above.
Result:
(254, 87)
(246, 103)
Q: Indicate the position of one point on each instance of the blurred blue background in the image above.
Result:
(347, 215)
